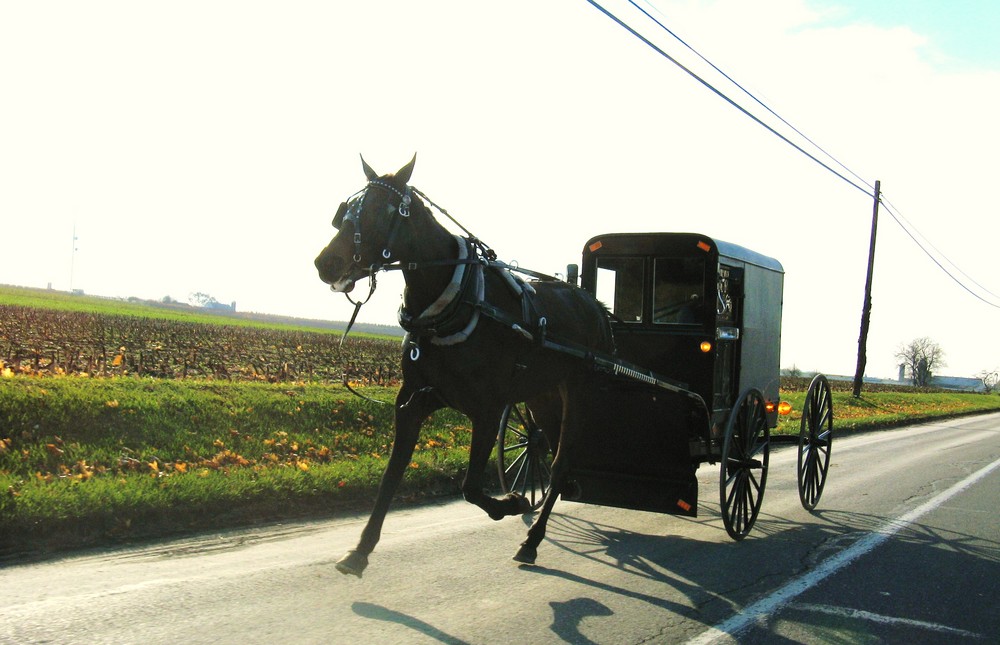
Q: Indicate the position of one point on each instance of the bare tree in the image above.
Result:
(200, 299)
(921, 357)
(990, 378)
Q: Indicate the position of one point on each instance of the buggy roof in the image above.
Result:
(655, 243)
(737, 252)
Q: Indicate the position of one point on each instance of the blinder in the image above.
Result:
(351, 209)
(338, 219)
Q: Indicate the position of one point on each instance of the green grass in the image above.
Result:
(90, 460)
(177, 312)
(887, 409)
(62, 301)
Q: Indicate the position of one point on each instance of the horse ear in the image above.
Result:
(369, 173)
(403, 174)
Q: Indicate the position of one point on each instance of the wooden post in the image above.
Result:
(866, 310)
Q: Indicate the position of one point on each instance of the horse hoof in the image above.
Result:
(516, 504)
(353, 563)
(526, 554)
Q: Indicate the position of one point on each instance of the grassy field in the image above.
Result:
(176, 312)
(242, 424)
(62, 301)
(86, 461)
(883, 407)
(50, 333)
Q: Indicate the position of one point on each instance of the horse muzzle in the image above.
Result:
(336, 273)
(344, 285)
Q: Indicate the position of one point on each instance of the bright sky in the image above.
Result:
(205, 145)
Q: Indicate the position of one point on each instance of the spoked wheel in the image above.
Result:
(745, 452)
(524, 456)
(815, 441)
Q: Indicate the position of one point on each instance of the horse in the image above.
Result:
(474, 341)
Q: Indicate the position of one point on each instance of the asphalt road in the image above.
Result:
(904, 548)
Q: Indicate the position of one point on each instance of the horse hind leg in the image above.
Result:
(528, 551)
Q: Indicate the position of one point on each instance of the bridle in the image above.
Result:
(350, 211)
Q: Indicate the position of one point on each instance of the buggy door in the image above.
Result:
(728, 323)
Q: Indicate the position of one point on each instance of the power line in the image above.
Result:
(938, 251)
(721, 95)
(908, 228)
(746, 91)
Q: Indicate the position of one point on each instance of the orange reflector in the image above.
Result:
(596, 245)
(783, 408)
(704, 246)
(706, 346)
(683, 505)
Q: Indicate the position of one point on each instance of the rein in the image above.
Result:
(484, 249)
(357, 306)
(480, 252)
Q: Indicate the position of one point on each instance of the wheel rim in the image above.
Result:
(745, 453)
(815, 442)
(524, 456)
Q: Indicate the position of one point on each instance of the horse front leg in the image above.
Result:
(408, 420)
(484, 437)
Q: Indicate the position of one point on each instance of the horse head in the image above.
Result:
(367, 227)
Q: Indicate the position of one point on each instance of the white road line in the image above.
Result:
(848, 612)
(727, 630)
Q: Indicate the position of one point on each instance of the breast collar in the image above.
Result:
(453, 316)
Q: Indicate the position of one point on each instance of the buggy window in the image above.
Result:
(619, 286)
(678, 290)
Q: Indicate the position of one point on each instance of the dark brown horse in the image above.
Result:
(474, 343)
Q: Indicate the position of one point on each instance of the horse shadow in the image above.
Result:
(378, 612)
(566, 619)
(668, 560)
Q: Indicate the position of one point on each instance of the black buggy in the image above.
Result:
(697, 324)
(684, 371)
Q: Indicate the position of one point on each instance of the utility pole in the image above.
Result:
(866, 310)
